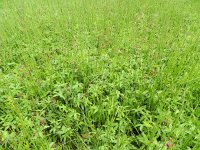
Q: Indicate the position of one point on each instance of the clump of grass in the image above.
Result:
(99, 74)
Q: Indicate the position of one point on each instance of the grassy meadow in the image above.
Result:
(99, 74)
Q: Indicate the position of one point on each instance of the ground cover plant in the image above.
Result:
(99, 74)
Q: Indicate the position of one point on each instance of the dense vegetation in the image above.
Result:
(99, 74)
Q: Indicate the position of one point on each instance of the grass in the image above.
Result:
(106, 74)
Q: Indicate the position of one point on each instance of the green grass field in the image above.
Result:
(99, 74)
